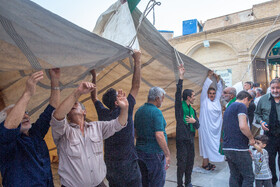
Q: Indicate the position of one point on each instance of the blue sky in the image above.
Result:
(168, 16)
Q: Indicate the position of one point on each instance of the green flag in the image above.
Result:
(132, 4)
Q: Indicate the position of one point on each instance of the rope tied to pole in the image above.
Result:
(178, 58)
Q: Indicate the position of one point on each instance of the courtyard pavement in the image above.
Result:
(200, 178)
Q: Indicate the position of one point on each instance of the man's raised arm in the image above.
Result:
(123, 104)
(93, 94)
(136, 79)
(42, 124)
(64, 108)
(55, 90)
(15, 116)
(178, 94)
(206, 85)
(219, 86)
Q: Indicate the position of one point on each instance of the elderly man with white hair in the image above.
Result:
(229, 95)
(259, 94)
(24, 156)
(151, 140)
(80, 143)
(256, 127)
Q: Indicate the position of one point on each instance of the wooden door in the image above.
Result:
(260, 73)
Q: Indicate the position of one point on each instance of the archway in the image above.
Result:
(263, 71)
(273, 60)
(219, 56)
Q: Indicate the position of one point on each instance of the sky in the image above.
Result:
(168, 16)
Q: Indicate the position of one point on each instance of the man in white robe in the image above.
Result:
(210, 122)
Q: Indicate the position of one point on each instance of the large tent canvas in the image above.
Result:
(33, 38)
(159, 68)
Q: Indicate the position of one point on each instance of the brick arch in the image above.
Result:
(259, 66)
(219, 55)
(270, 40)
(199, 44)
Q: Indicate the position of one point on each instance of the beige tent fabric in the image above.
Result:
(119, 75)
(33, 38)
(159, 68)
(116, 24)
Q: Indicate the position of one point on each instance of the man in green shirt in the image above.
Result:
(151, 140)
(267, 114)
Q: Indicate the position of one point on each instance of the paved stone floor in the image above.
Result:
(217, 178)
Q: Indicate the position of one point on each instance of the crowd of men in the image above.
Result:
(24, 156)
(250, 118)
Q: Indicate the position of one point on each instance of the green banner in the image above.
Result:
(132, 4)
(274, 61)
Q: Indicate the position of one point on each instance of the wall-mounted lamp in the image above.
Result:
(206, 43)
(226, 18)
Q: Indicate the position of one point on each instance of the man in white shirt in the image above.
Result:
(80, 144)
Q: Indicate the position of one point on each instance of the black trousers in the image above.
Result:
(185, 160)
(123, 173)
(273, 147)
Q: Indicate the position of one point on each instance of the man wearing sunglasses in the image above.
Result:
(210, 119)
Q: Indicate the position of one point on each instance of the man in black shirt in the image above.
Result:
(120, 154)
(187, 122)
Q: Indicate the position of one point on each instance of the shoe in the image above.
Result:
(189, 185)
(212, 165)
(208, 167)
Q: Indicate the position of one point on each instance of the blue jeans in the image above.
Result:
(265, 183)
(152, 166)
(123, 174)
(241, 170)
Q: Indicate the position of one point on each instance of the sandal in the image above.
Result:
(211, 165)
(208, 168)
